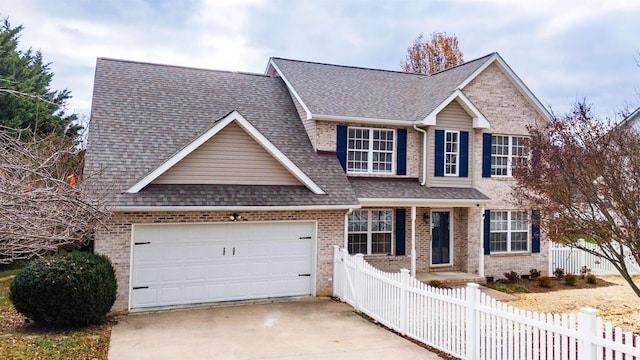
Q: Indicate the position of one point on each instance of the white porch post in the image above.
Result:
(413, 241)
(481, 254)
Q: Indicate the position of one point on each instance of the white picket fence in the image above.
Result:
(571, 260)
(471, 325)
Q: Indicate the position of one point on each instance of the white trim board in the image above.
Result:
(293, 91)
(219, 125)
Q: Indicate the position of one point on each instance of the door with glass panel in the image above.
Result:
(441, 238)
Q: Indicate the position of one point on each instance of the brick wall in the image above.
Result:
(326, 141)
(509, 113)
(115, 240)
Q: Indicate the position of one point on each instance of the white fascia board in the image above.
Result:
(479, 121)
(362, 120)
(293, 91)
(221, 124)
(233, 208)
(514, 79)
(400, 202)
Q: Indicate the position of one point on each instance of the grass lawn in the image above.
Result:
(20, 340)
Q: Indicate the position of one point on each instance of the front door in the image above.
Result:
(440, 238)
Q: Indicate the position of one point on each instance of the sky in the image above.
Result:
(564, 51)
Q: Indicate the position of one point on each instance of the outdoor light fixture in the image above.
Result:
(235, 217)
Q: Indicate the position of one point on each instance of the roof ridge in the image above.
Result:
(465, 63)
(182, 67)
(349, 66)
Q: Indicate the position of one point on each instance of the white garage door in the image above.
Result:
(182, 264)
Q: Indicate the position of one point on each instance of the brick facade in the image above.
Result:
(115, 240)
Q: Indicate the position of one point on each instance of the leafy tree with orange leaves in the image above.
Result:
(428, 56)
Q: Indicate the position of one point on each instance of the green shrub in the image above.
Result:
(504, 288)
(71, 289)
(590, 279)
(559, 273)
(512, 276)
(544, 281)
(571, 279)
(534, 273)
(521, 288)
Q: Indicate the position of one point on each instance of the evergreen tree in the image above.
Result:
(26, 100)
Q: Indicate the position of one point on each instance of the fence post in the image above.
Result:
(356, 281)
(552, 255)
(473, 290)
(587, 330)
(404, 299)
(336, 253)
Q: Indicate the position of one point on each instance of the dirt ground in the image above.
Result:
(617, 303)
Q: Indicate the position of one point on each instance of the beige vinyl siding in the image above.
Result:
(454, 118)
(230, 157)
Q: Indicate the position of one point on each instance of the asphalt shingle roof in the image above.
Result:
(389, 188)
(369, 93)
(142, 114)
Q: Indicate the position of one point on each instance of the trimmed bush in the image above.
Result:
(71, 289)
(521, 288)
(544, 281)
(571, 279)
(534, 273)
(590, 279)
(504, 288)
(436, 283)
(512, 276)
(559, 273)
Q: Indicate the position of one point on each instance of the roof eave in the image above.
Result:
(362, 120)
(142, 208)
(366, 202)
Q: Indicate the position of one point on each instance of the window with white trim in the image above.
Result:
(451, 152)
(370, 150)
(370, 232)
(509, 231)
(507, 152)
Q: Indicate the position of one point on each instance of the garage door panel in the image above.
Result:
(199, 263)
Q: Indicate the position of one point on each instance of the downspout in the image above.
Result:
(424, 154)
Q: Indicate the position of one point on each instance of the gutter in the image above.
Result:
(424, 154)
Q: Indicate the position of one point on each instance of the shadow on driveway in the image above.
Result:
(310, 328)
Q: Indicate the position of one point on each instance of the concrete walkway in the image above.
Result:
(311, 328)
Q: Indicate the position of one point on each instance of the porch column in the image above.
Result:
(413, 241)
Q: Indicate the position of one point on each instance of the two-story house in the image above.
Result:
(229, 186)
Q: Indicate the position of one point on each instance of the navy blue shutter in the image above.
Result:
(341, 146)
(535, 231)
(464, 154)
(402, 152)
(439, 163)
(486, 155)
(487, 232)
(400, 231)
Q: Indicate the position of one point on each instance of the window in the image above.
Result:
(509, 231)
(370, 150)
(370, 232)
(451, 153)
(507, 152)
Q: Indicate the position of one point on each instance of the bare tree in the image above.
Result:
(44, 203)
(584, 176)
(438, 53)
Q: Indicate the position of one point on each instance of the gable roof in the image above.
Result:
(234, 116)
(143, 115)
(633, 119)
(344, 93)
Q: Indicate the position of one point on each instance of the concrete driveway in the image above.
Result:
(311, 328)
